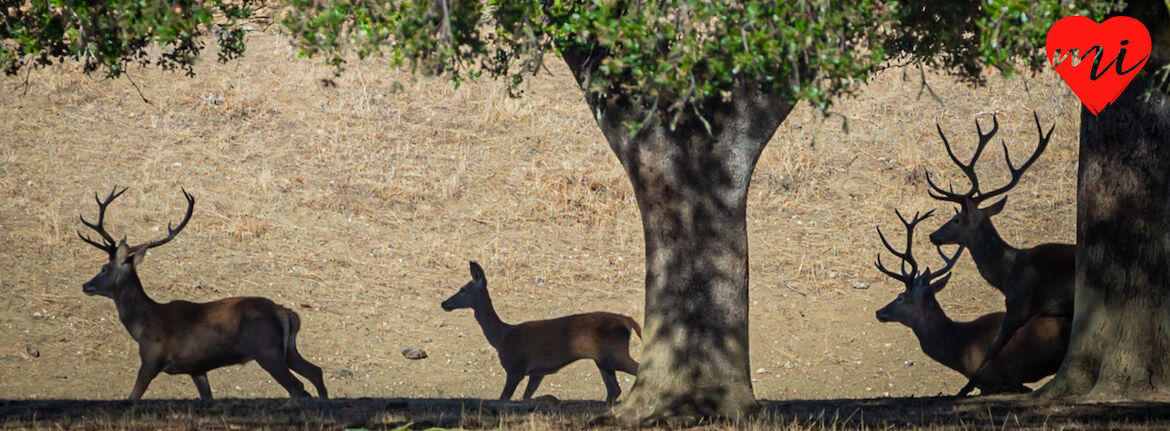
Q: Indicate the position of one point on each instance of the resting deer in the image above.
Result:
(1034, 352)
(182, 337)
(1037, 281)
(542, 347)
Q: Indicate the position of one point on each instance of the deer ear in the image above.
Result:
(476, 271)
(939, 284)
(994, 208)
(121, 252)
(136, 255)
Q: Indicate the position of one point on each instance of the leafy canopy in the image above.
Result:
(672, 52)
(107, 35)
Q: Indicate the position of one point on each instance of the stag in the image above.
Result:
(182, 337)
(1034, 352)
(1037, 281)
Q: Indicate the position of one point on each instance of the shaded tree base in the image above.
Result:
(1115, 359)
(697, 406)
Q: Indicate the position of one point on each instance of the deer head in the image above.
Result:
(969, 218)
(918, 298)
(123, 258)
(471, 293)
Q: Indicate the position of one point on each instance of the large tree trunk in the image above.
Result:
(691, 183)
(1121, 324)
(692, 189)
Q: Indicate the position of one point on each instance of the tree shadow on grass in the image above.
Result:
(992, 412)
(422, 413)
(371, 413)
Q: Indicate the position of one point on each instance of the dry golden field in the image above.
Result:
(359, 200)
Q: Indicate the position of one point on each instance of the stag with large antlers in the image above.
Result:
(182, 337)
(1037, 281)
(1034, 352)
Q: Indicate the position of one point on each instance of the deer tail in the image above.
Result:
(634, 325)
(290, 323)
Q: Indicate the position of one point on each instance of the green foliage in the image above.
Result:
(675, 49)
(107, 35)
(671, 53)
(666, 54)
(963, 37)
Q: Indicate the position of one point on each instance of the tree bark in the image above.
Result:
(1121, 324)
(691, 183)
(692, 189)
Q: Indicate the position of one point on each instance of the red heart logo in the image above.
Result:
(1097, 60)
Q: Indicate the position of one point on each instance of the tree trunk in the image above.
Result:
(1121, 324)
(691, 185)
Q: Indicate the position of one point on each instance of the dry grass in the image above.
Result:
(360, 204)
(414, 413)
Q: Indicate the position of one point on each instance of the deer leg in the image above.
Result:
(147, 372)
(626, 364)
(203, 386)
(970, 386)
(533, 383)
(1011, 323)
(612, 389)
(312, 372)
(278, 369)
(510, 383)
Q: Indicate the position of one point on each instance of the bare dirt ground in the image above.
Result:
(359, 200)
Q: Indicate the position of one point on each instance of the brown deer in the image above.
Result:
(182, 337)
(542, 347)
(1034, 352)
(1037, 281)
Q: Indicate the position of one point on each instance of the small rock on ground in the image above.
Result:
(414, 354)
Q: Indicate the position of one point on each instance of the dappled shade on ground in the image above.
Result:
(421, 413)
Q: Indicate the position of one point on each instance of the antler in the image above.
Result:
(1017, 173)
(906, 256)
(108, 244)
(171, 232)
(968, 169)
(974, 194)
(948, 263)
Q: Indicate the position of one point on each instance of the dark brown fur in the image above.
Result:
(1037, 281)
(1034, 352)
(182, 337)
(599, 336)
(542, 347)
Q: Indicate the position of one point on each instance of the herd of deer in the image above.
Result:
(182, 337)
(998, 352)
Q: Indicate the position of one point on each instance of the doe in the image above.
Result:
(542, 347)
(182, 337)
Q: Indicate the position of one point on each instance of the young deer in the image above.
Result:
(541, 347)
(1034, 352)
(182, 337)
(1037, 281)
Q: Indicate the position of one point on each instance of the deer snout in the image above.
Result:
(936, 239)
(883, 315)
(88, 288)
(446, 305)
